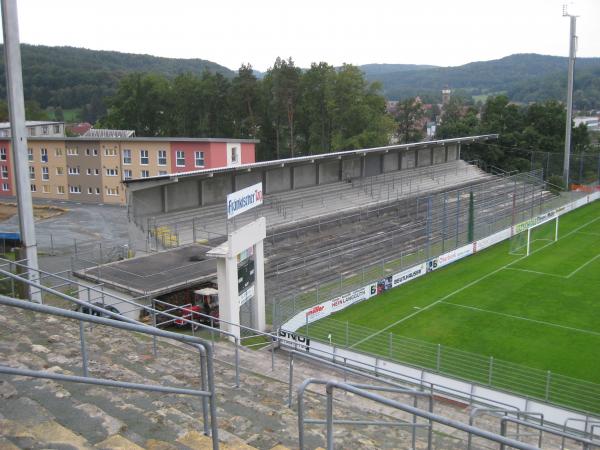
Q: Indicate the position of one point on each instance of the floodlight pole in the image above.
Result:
(572, 51)
(16, 109)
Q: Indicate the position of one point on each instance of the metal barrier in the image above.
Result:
(585, 443)
(104, 311)
(362, 391)
(440, 224)
(486, 371)
(206, 360)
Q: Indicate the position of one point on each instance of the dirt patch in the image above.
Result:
(40, 212)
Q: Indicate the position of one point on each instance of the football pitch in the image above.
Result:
(492, 311)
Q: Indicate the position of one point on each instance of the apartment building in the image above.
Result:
(36, 128)
(92, 170)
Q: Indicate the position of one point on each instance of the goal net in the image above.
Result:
(528, 237)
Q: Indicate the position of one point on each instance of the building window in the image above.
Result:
(127, 174)
(60, 189)
(33, 188)
(72, 151)
(5, 186)
(112, 191)
(162, 172)
(44, 130)
(2, 154)
(45, 188)
(180, 161)
(32, 172)
(126, 156)
(30, 154)
(199, 159)
(74, 189)
(235, 155)
(60, 171)
(58, 152)
(90, 190)
(162, 157)
(44, 155)
(145, 174)
(88, 152)
(56, 129)
(110, 152)
(95, 151)
(89, 171)
(4, 171)
(144, 157)
(97, 191)
(45, 173)
(112, 172)
(74, 171)
(32, 131)
(97, 172)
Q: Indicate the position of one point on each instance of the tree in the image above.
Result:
(316, 108)
(244, 100)
(409, 115)
(285, 92)
(140, 103)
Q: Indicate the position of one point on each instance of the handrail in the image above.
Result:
(431, 417)
(586, 443)
(586, 421)
(202, 346)
(152, 311)
(413, 425)
(477, 410)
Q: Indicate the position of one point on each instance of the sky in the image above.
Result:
(437, 32)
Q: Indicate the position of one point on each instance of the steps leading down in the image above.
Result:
(42, 414)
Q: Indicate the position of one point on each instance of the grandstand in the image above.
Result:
(325, 238)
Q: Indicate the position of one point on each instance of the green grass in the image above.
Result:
(493, 304)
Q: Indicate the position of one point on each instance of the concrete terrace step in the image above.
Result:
(254, 415)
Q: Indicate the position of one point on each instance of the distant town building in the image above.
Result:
(92, 168)
(78, 129)
(593, 123)
(36, 128)
(446, 92)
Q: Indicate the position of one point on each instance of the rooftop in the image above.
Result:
(156, 274)
(31, 123)
(313, 158)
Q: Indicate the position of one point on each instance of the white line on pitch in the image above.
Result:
(583, 265)
(541, 322)
(589, 233)
(535, 271)
(472, 283)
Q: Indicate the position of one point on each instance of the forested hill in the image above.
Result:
(522, 77)
(72, 77)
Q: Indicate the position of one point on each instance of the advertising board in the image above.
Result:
(244, 200)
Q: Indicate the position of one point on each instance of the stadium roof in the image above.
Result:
(313, 158)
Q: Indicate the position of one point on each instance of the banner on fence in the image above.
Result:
(454, 255)
(329, 307)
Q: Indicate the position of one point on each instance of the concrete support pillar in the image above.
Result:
(165, 203)
(258, 312)
(229, 305)
(251, 235)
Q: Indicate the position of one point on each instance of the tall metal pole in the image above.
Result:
(16, 109)
(572, 50)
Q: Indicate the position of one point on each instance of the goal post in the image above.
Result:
(527, 236)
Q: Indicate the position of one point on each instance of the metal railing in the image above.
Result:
(434, 225)
(207, 393)
(486, 371)
(330, 359)
(363, 391)
(104, 311)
